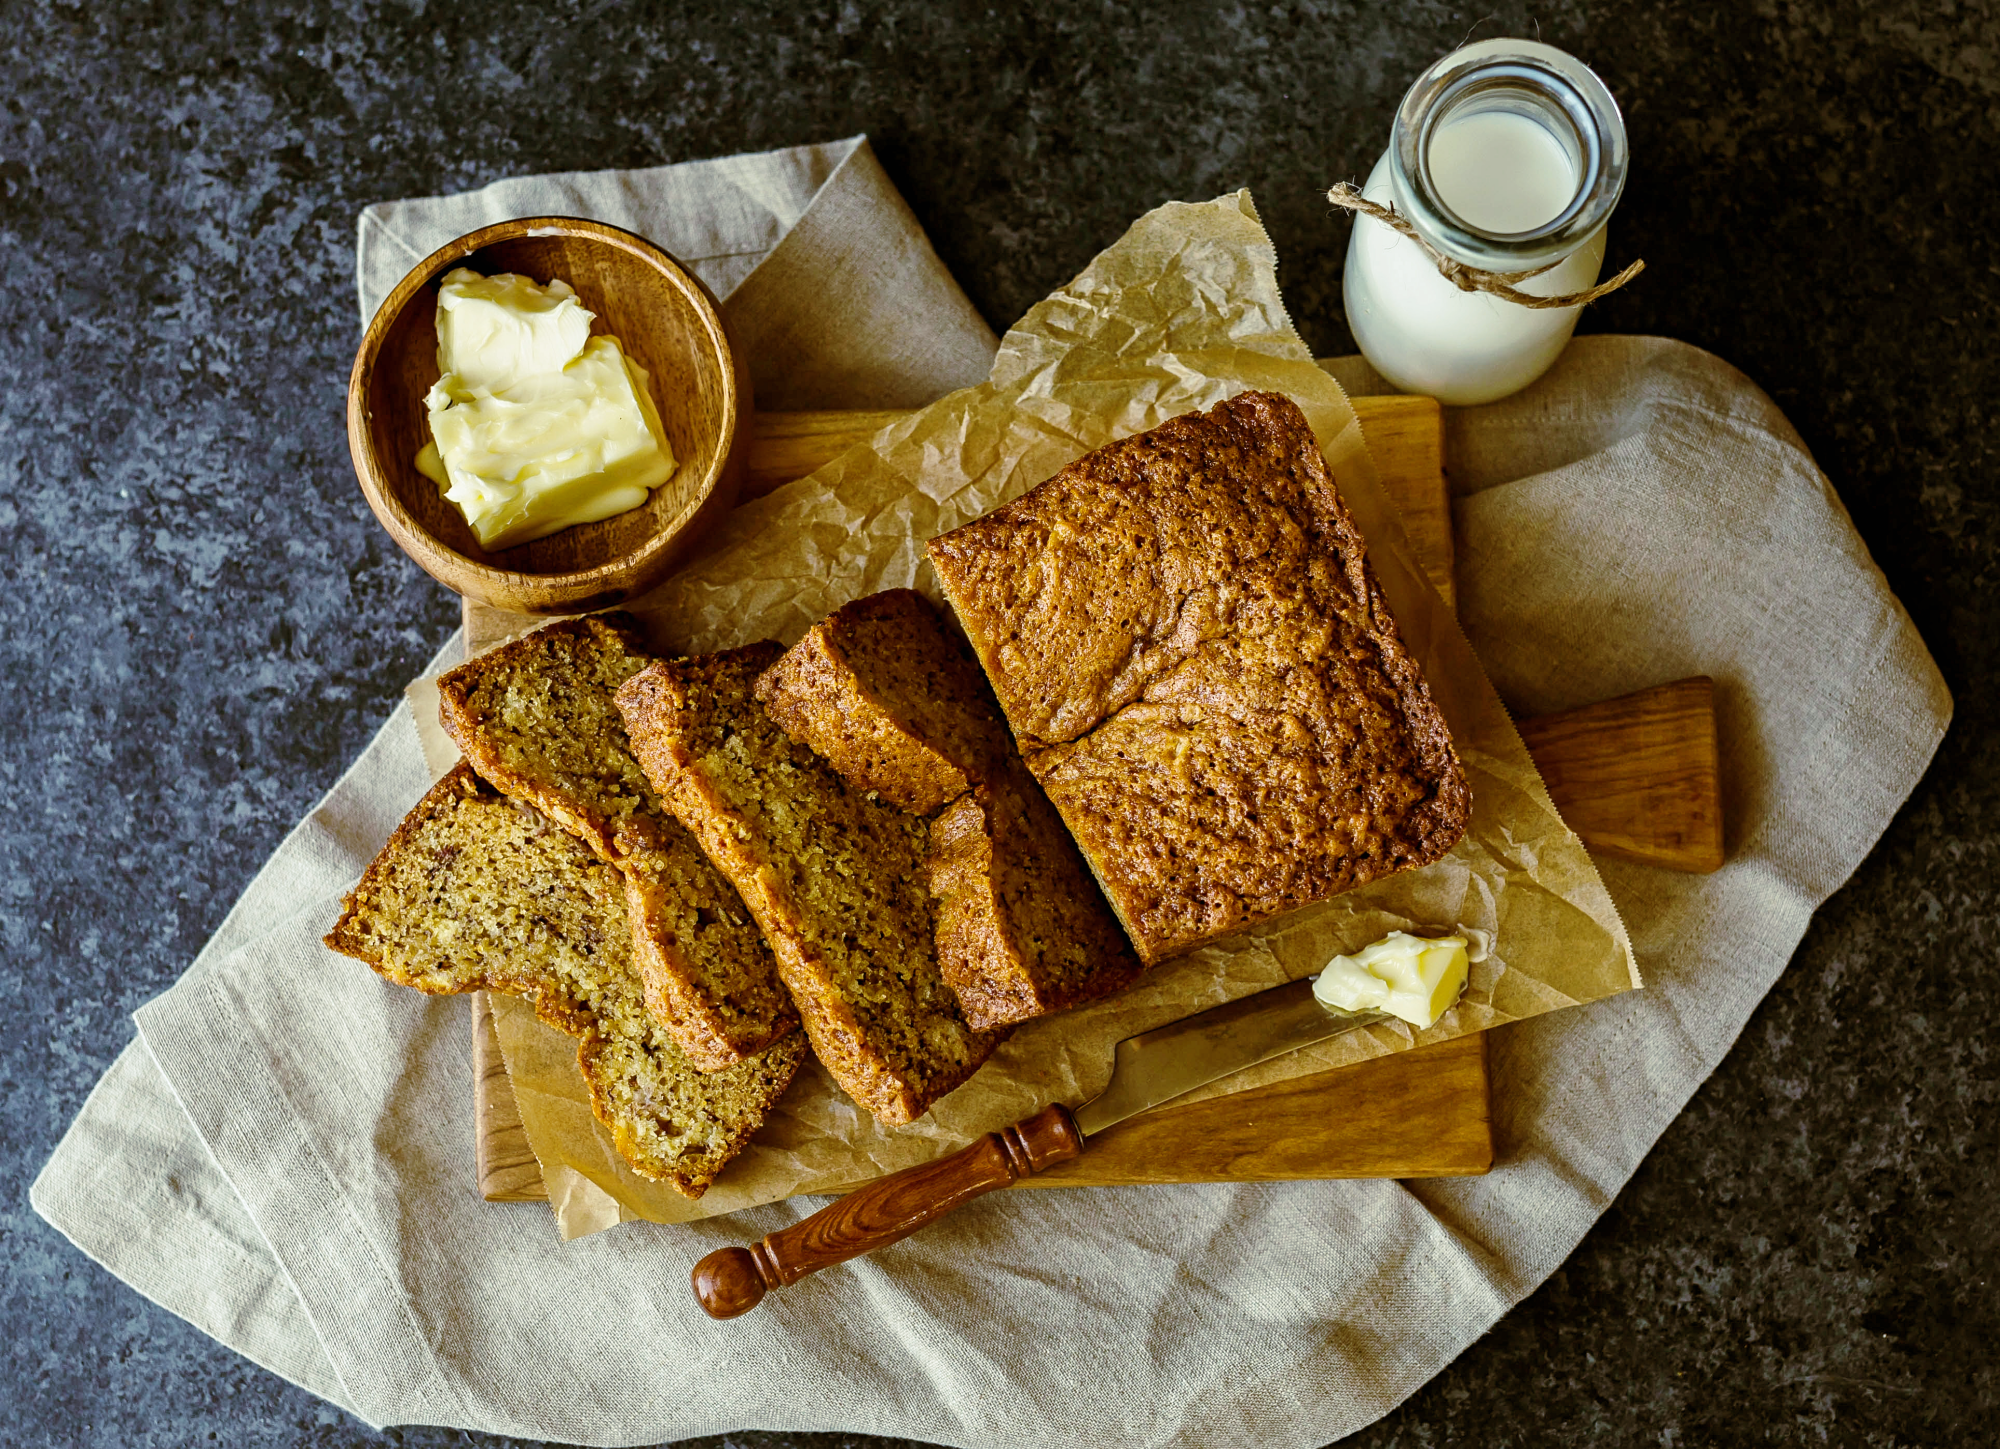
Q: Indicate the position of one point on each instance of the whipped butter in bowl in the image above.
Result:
(536, 426)
(541, 426)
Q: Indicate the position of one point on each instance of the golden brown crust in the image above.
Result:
(883, 691)
(832, 875)
(979, 961)
(659, 916)
(1023, 929)
(1184, 631)
(535, 718)
(890, 699)
(473, 891)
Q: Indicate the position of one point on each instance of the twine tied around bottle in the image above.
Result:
(1473, 279)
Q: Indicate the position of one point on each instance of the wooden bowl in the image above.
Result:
(668, 323)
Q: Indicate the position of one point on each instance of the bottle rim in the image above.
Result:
(1555, 89)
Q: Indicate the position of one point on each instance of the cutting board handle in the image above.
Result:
(730, 1281)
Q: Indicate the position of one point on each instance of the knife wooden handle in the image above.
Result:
(730, 1281)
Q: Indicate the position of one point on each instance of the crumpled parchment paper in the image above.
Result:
(1180, 313)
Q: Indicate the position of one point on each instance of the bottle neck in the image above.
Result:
(1508, 155)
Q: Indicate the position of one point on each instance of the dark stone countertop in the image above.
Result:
(1807, 1255)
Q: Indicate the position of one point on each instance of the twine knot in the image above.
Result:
(1475, 279)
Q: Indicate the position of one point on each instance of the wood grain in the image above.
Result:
(1406, 439)
(730, 1281)
(1426, 1112)
(1639, 776)
(667, 322)
(508, 1171)
(784, 447)
(1421, 1113)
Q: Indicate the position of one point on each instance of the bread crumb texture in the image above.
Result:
(536, 719)
(887, 694)
(832, 872)
(474, 890)
(1184, 632)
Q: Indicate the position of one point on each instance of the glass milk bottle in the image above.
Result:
(1507, 156)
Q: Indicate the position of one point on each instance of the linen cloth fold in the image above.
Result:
(283, 1156)
(815, 255)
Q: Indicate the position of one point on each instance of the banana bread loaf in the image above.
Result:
(474, 890)
(883, 692)
(535, 718)
(1185, 634)
(833, 875)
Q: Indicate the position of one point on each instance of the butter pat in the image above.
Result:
(536, 426)
(494, 331)
(1404, 975)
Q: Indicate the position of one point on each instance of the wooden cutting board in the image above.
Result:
(1635, 776)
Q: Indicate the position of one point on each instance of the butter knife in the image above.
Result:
(1148, 1069)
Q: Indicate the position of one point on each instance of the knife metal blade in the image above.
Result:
(1159, 1065)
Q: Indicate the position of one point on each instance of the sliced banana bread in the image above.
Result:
(884, 692)
(893, 701)
(474, 890)
(1022, 929)
(535, 718)
(834, 875)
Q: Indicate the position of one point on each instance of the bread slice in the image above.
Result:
(1184, 632)
(1022, 928)
(474, 890)
(886, 695)
(833, 874)
(535, 718)
(890, 699)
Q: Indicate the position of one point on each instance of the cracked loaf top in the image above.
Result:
(1201, 670)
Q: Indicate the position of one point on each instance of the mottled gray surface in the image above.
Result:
(203, 624)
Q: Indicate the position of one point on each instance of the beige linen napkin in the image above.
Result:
(853, 311)
(283, 1157)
